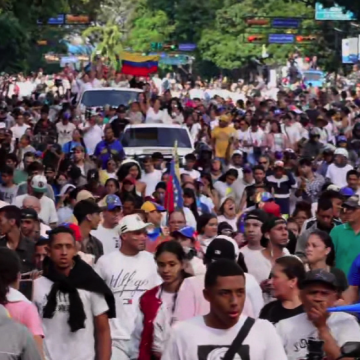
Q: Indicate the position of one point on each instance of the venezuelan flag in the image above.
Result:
(139, 65)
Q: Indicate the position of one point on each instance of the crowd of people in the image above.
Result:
(261, 240)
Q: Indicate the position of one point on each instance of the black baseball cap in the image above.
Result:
(320, 276)
(92, 174)
(220, 249)
(29, 214)
(257, 214)
(225, 226)
(271, 223)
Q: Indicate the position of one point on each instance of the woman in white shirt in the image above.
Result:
(154, 115)
(174, 112)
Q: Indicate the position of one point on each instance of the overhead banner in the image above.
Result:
(353, 50)
(345, 51)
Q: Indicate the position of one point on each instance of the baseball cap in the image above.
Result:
(341, 151)
(352, 202)
(319, 276)
(237, 152)
(278, 164)
(39, 183)
(272, 208)
(341, 138)
(66, 188)
(49, 169)
(92, 174)
(347, 191)
(132, 222)
(111, 202)
(225, 226)
(225, 118)
(187, 232)
(149, 206)
(263, 197)
(75, 228)
(271, 223)
(257, 214)
(333, 187)
(315, 132)
(84, 195)
(220, 248)
(29, 214)
(247, 169)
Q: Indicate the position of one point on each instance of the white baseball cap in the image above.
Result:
(237, 152)
(341, 151)
(39, 183)
(132, 223)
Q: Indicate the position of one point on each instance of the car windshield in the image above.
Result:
(310, 76)
(156, 137)
(100, 98)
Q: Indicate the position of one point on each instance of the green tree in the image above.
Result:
(148, 26)
(14, 45)
(27, 13)
(109, 40)
(224, 42)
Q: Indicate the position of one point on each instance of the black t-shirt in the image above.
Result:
(274, 312)
(118, 125)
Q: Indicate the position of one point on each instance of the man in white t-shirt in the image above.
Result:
(108, 232)
(150, 176)
(319, 291)
(190, 161)
(276, 236)
(76, 318)
(129, 272)
(65, 129)
(252, 234)
(211, 336)
(48, 212)
(92, 133)
(336, 172)
(19, 129)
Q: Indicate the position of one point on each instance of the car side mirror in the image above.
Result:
(350, 349)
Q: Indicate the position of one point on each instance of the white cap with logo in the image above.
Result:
(39, 183)
(132, 223)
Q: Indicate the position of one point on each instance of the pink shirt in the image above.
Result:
(24, 312)
(191, 302)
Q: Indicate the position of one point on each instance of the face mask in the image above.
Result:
(61, 182)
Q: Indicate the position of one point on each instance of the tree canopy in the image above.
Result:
(216, 26)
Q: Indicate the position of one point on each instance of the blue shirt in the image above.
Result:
(69, 146)
(354, 273)
(104, 150)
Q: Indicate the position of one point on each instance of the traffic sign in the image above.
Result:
(334, 13)
(77, 19)
(306, 39)
(256, 39)
(58, 20)
(281, 38)
(274, 22)
(288, 23)
(187, 47)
